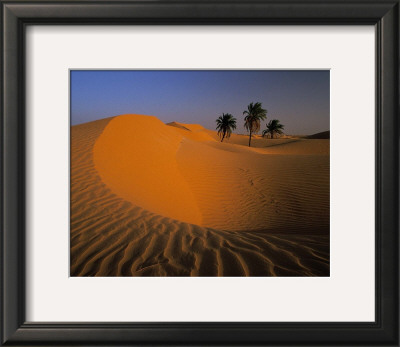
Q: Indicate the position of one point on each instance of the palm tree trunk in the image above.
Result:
(223, 135)
(250, 138)
(272, 135)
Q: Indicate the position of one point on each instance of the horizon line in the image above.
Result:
(150, 115)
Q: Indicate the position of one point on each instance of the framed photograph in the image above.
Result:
(215, 202)
(200, 173)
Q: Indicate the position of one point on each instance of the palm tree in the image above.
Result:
(225, 124)
(254, 115)
(273, 127)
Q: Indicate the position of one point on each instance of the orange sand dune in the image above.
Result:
(153, 199)
(299, 145)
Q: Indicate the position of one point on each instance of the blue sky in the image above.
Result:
(298, 98)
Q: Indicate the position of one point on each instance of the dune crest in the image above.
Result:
(135, 157)
(181, 172)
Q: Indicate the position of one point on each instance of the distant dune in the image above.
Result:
(172, 200)
(323, 135)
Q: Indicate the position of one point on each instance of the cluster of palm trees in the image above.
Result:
(252, 122)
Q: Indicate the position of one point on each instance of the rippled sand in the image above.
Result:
(172, 200)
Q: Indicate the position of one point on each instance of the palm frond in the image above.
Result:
(225, 124)
(254, 115)
(273, 127)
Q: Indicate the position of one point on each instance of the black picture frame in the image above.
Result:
(16, 15)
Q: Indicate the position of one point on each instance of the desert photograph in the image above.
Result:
(218, 173)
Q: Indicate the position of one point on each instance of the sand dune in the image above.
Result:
(322, 135)
(199, 207)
